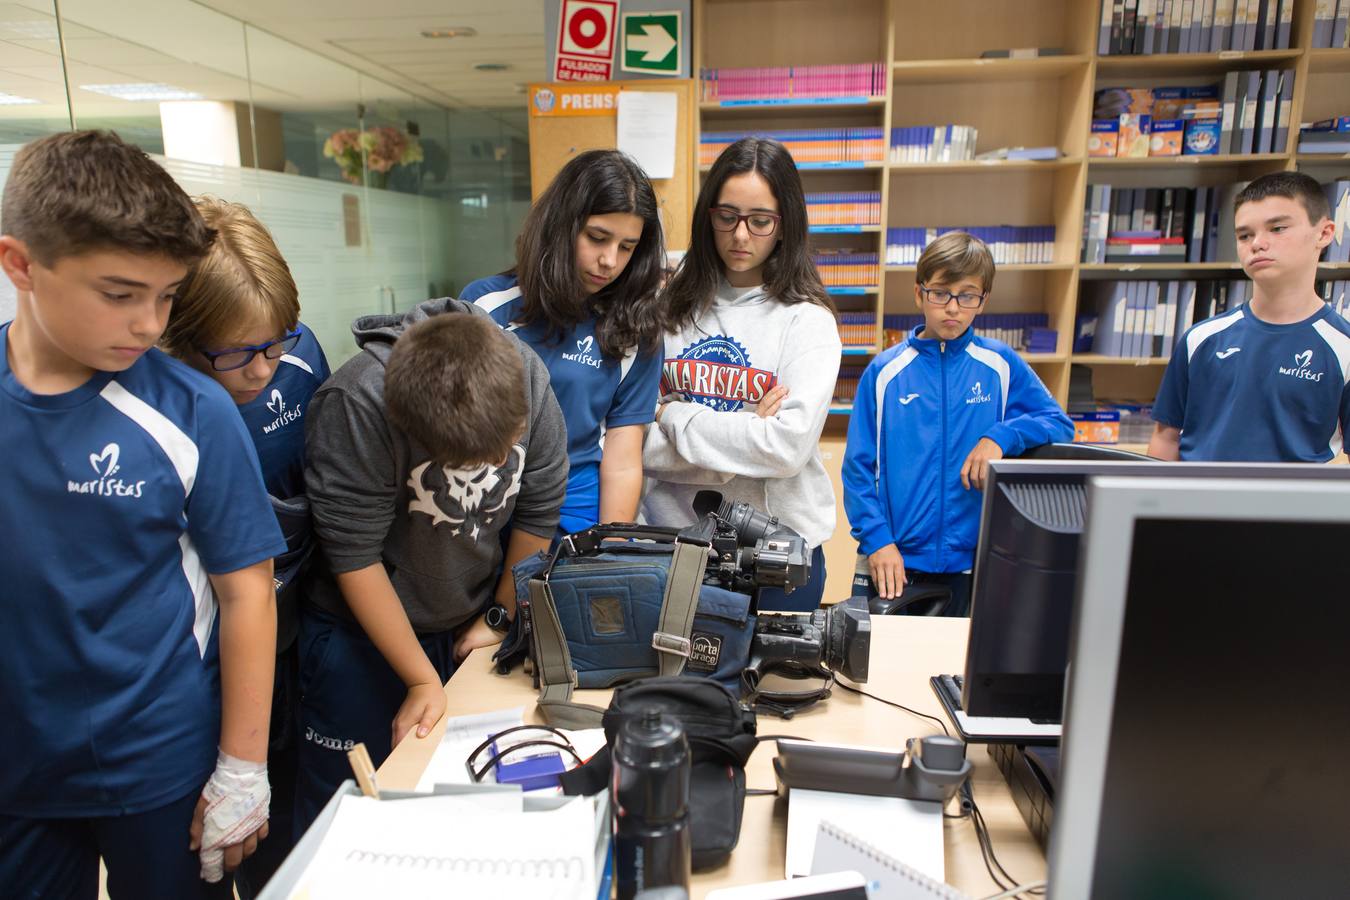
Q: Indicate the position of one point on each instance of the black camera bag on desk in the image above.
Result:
(619, 602)
(721, 734)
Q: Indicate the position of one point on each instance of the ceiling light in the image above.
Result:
(492, 67)
(33, 30)
(12, 100)
(142, 91)
(452, 32)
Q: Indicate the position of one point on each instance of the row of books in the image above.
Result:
(1024, 332)
(1144, 319)
(846, 269)
(1166, 224)
(1336, 295)
(1133, 27)
(1328, 136)
(844, 208)
(810, 145)
(1338, 198)
(1248, 112)
(933, 143)
(846, 384)
(1330, 20)
(857, 329)
(1009, 244)
(786, 83)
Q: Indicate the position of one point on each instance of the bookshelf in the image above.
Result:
(933, 49)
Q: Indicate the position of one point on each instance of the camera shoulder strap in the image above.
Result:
(553, 661)
(671, 640)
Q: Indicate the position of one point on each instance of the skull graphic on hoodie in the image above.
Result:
(468, 499)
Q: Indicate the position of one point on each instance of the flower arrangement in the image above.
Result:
(382, 147)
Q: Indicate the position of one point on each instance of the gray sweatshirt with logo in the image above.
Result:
(710, 437)
(377, 496)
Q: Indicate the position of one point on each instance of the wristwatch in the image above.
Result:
(497, 618)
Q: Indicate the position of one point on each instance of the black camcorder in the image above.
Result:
(835, 638)
(750, 549)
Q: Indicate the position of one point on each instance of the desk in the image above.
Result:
(905, 652)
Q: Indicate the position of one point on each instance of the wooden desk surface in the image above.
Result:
(905, 653)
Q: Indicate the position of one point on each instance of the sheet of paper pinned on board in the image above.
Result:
(646, 130)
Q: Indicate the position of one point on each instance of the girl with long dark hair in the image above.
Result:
(751, 361)
(583, 296)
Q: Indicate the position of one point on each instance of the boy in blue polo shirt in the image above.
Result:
(928, 416)
(135, 517)
(1268, 381)
(238, 322)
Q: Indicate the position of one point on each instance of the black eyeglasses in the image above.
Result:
(238, 357)
(534, 736)
(760, 224)
(939, 297)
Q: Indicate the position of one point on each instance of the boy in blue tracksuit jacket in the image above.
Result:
(928, 417)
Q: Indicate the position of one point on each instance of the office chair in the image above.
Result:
(1095, 452)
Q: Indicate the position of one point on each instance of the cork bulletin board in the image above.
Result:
(567, 118)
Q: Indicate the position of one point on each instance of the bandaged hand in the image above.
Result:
(233, 806)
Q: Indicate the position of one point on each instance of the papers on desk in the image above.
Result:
(463, 734)
(498, 843)
(909, 830)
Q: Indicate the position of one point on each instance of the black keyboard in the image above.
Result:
(951, 685)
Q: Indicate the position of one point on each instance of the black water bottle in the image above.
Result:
(650, 791)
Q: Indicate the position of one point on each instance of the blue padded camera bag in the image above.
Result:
(609, 606)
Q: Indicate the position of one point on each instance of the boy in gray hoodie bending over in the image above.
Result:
(422, 450)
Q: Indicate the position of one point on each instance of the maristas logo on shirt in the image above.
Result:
(1300, 368)
(583, 354)
(277, 406)
(716, 372)
(105, 465)
(977, 395)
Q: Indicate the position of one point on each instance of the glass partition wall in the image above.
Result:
(378, 199)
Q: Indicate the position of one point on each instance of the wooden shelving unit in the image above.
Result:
(933, 47)
(937, 77)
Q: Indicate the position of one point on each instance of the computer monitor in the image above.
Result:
(1204, 750)
(1026, 567)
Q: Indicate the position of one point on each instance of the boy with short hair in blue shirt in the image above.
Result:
(928, 416)
(1268, 381)
(136, 516)
(238, 322)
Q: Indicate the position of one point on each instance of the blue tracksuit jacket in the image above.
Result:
(921, 407)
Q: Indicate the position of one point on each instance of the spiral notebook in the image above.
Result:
(440, 846)
(837, 850)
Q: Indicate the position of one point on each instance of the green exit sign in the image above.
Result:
(651, 43)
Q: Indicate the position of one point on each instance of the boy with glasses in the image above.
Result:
(929, 415)
(238, 322)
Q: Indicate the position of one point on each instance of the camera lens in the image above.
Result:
(750, 524)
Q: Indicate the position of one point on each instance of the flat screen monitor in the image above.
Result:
(1026, 566)
(1208, 718)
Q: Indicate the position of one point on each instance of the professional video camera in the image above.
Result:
(750, 548)
(835, 638)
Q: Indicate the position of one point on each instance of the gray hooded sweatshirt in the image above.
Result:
(377, 496)
(720, 368)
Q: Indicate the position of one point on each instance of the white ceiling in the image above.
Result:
(345, 53)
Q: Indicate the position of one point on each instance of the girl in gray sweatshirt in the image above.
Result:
(750, 370)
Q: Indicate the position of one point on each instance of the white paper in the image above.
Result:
(646, 130)
(908, 830)
(463, 735)
(430, 847)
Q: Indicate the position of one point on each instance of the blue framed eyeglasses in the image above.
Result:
(238, 357)
(939, 297)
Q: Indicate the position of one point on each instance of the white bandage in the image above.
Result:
(237, 800)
